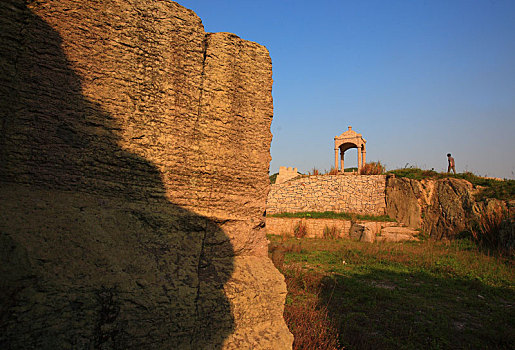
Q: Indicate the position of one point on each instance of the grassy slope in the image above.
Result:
(425, 295)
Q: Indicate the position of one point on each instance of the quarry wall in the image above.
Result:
(441, 208)
(134, 155)
(364, 194)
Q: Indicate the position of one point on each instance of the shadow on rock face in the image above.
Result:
(93, 255)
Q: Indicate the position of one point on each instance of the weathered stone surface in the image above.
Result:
(397, 234)
(285, 174)
(441, 208)
(134, 154)
(368, 235)
(402, 201)
(451, 208)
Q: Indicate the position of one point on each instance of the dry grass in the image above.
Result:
(372, 168)
(300, 230)
(314, 171)
(333, 171)
(495, 230)
(309, 322)
(330, 232)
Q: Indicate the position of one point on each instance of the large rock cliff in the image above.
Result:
(441, 208)
(134, 154)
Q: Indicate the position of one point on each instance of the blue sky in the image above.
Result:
(417, 78)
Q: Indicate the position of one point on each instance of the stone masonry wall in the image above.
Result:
(134, 157)
(315, 227)
(363, 194)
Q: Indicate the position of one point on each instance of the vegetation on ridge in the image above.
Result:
(489, 188)
(372, 168)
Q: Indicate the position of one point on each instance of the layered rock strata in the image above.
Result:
(134, 154)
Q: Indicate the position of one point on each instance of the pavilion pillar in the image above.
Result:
(341, 161)
(364, 156)
(336, 158)
(359, 160)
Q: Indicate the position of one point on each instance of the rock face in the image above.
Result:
(134, 154)
(441, 208)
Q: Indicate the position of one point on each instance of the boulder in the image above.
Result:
(397, 234)
(362, 232)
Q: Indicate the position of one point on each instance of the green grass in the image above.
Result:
(332, 215)
(417, 295)
(489, 188)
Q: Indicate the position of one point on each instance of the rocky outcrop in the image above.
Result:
(134, 154)
(441, 208)
(404, 201)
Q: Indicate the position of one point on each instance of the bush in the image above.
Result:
(300, 230)
(495, 230)
(330, 232)
(372, 168)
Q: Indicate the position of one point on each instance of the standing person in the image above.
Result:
(451, 164)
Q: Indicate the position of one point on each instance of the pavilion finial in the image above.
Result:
(350, 127)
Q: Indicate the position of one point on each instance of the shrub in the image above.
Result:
(372, 168)
(330, 232)
(495, 230)
(314, 171)
(300, 230)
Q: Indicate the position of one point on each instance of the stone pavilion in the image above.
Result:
(349, 139)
